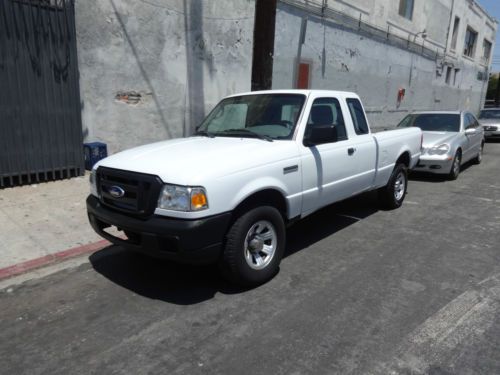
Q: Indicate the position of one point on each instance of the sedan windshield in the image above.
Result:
(265, 116)
(439, 122)
(490, 114)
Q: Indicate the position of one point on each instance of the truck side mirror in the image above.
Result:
(319, 134)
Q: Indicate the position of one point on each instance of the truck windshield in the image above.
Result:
(439, 122)
(266, 116)
(490, 114)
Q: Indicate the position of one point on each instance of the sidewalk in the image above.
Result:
(45, 222)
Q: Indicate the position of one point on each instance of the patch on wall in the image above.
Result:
(128, 97)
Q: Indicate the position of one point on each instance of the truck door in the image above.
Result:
(327, 168)
(365, 149)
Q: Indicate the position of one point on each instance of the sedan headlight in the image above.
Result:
(93, 183)
(183, 198)
(439, 150)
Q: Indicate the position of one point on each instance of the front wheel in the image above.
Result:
(455, 166)
(255, 244)
(393, 194)
(479, 157)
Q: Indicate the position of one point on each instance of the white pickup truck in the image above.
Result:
(259, 161)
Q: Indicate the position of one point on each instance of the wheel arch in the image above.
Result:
(264, 197)
(404, 158)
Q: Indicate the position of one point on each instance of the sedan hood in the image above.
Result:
(437, 138)
(190, 161)
(490, 121)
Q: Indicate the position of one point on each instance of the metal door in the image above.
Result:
(40, 117)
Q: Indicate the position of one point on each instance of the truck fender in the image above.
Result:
(260, 184)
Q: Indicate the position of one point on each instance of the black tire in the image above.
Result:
(455, 171)
(391, 196)
(234, 264)
(479, 158)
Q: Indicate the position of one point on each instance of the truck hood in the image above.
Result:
(437, 138)
(189, 161)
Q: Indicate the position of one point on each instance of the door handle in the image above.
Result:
(351, 150)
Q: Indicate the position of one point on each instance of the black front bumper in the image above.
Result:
(188, 241)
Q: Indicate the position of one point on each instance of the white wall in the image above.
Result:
(181, 56)
(374, 69)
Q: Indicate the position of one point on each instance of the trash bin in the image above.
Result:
(93, 152)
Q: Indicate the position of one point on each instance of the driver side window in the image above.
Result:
(470, 121)
(326, 112)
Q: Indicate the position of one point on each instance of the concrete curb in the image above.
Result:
(50, 259)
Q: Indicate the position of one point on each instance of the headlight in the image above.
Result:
(93, 183)
(439, 150)
(183, 198)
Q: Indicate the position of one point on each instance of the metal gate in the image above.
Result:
(40, 115)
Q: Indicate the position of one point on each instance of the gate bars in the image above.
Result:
(40, 112)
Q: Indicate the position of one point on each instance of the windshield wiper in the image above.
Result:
(244, 131)
(204, 133)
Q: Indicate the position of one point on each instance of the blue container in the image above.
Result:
(93, 152)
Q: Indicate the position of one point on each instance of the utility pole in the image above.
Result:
(263, 44)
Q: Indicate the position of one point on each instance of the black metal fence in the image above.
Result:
(362, 27)
(40, 116)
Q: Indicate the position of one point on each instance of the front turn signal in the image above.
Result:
(198, 199)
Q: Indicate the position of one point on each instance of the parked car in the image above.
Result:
(450, 140)
(490, 120)
(258, 161)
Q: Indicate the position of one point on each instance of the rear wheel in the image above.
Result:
(254, 247)
(393, 194)
(455, 166)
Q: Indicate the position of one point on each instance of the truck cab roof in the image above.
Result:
(328, 93)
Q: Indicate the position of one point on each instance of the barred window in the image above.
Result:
(470, 42)
(406, 8)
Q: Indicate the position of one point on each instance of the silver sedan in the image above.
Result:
(490, 120)
(450, 139)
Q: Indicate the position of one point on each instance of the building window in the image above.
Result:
(470, 42)
(448, 75)
(454, 36)
(455, 77)
(406, 8)
(486, 51)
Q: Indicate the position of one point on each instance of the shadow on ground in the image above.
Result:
(186, 284)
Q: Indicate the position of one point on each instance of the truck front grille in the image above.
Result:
(130, 192)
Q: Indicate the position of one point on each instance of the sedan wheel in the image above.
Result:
(455, 167)
(479, 157)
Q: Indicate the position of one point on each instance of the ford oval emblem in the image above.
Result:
(116, 191)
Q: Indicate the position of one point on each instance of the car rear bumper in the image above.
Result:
(187, 241)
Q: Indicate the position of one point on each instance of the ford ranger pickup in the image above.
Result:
(259, 161)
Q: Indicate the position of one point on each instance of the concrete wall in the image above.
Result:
(180, 56)
(342, 59)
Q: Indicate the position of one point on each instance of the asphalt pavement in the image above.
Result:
(360, 291)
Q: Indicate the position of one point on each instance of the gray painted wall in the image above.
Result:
(180, 56)
(373, 69)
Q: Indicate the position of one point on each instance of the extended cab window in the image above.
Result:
(358, 116)
(326, 113)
